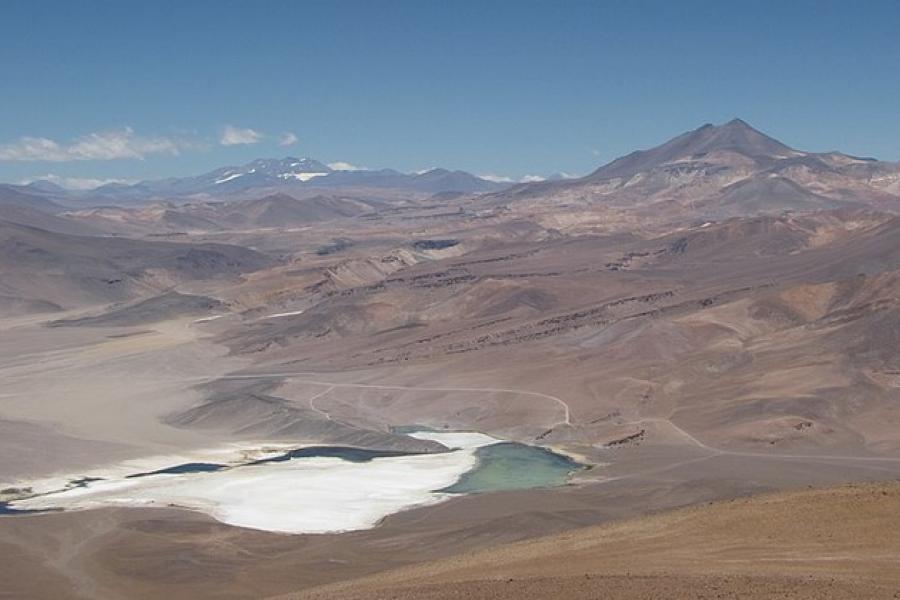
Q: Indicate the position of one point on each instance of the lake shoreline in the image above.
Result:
(340, 488)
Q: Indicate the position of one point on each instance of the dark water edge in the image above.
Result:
(407, 429)
(197, 467)
(6, 509)
(82, 482)
(356, 455)
(348, 453)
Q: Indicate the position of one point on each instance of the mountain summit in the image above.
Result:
(264, 171)
(735, 136)
(722, 171)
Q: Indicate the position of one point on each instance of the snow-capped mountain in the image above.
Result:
(271, 170)
(264, 172)
(269, 173)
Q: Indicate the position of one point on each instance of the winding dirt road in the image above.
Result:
(567, 417)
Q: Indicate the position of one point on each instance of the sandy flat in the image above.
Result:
(80, 398)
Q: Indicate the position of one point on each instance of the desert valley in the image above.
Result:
(675, 375)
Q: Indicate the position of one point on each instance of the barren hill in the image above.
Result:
(72, 270)
(818, 544)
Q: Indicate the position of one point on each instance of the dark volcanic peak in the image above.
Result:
(736, 136)
(723, 170)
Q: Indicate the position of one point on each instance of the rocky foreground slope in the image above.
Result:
(824, 544)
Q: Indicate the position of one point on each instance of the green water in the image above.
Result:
(513, 466)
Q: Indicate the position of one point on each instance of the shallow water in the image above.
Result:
(357, 455)
(514, 466)
(195, 467)
(6, 509)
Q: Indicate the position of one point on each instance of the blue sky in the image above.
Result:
(136, 90)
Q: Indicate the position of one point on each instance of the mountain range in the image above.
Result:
(267, 175)
(714, 171)
(704, 320)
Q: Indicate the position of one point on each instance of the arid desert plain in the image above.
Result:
(674, 377)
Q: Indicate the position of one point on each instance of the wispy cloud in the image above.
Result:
(104, 145)
(496, 178)
(288, 138)
(504, 179)
(343, 166)
(76, 183)
(235, 136)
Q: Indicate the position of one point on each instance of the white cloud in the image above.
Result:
(564, 175)
(288, 138)
(105, 145)
(77, 183)
(235, 136)
(532, 179)
(496, 178)
(343, 166)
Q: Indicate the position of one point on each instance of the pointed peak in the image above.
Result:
(434, 171)
(738, 122)
(735, 137)
(740, 125)
(735, 125)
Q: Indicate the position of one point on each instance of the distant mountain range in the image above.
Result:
(691, 182)
(267, 175)
(714, 171)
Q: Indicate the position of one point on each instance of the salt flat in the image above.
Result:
(310, 495)
(230, 454)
